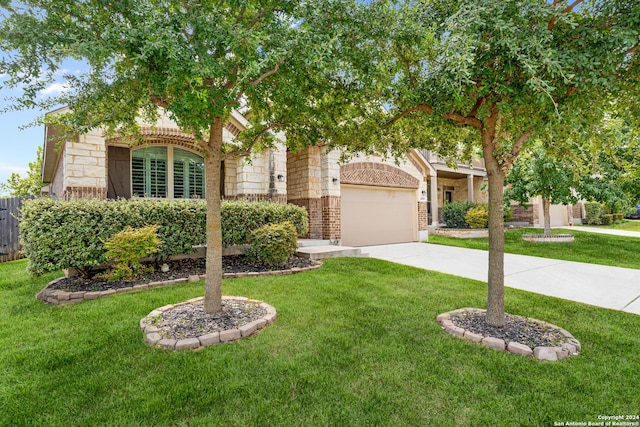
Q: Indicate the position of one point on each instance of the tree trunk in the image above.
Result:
(213, 158)
(495, 174)
(495, 297)
(547, 217)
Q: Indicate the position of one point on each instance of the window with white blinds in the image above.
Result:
(188, 175)
(151, 175)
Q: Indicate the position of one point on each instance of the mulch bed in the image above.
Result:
(190, 320)
(177, 269)
(517, 329)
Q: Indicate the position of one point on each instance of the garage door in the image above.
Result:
(376, 216)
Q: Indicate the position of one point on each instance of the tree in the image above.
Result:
(30, 185)
(196, 60)
(497, 75)
(539, 174)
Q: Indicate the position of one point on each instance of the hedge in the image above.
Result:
(64, 234)
(593, 212)
(453, 214)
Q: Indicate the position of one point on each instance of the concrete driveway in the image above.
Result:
(609, 287)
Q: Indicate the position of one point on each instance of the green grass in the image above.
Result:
(587, 247)
(356, 343)
(627, 225)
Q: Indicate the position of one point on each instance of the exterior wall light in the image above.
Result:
(335, 180)
(280, 177)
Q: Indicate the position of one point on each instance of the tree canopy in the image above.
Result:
(496, 75)
(275, 60)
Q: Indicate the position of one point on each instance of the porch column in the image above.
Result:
(434, 200)
(470, 188)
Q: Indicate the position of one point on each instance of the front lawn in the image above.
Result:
(587, 247)
(627, 225)
(356, 343)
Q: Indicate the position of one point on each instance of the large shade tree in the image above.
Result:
(495, 75)
(196, 60)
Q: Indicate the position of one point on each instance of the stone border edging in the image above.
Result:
(153, 338)
(551, 354)
(60, 297)
(554, 238)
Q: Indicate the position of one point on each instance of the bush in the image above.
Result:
(453, 214)
(593, 212)
(241, 218)
(477, 217)
(71, 234)
(606, 219)
(273, 244)
(126, 248)
(618, 217)
(508, 211)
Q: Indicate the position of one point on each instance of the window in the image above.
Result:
(152, 176)
(188, 175)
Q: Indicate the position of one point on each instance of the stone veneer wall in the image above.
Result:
(304, 186)
(85, 167)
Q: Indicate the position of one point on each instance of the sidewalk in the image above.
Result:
(609, 287)
(603, 231)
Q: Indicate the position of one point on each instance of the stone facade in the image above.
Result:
(310, 178)
(460, 189)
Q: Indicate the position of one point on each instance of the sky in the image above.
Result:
(18, 146)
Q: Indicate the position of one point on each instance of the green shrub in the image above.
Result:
(241, 218)
(618, 217)
(59, 234)
(273, 244)
(453, 214)
(477, 217)
(508, 211)
(606, 219)
(593, 212)
(126, 248)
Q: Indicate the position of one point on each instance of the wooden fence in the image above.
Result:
(9, 237)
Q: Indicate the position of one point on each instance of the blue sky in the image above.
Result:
(18, 146)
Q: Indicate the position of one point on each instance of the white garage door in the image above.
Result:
(376, 215)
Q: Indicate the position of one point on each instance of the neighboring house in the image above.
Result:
(560, 215)
(366, 201)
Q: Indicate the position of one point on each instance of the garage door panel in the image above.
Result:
(373, 216)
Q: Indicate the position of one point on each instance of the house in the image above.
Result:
(368, 200)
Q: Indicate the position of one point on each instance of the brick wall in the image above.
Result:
(528, 214)
(331, 224)
(84, 193)
(314, 212)
(423, 217)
